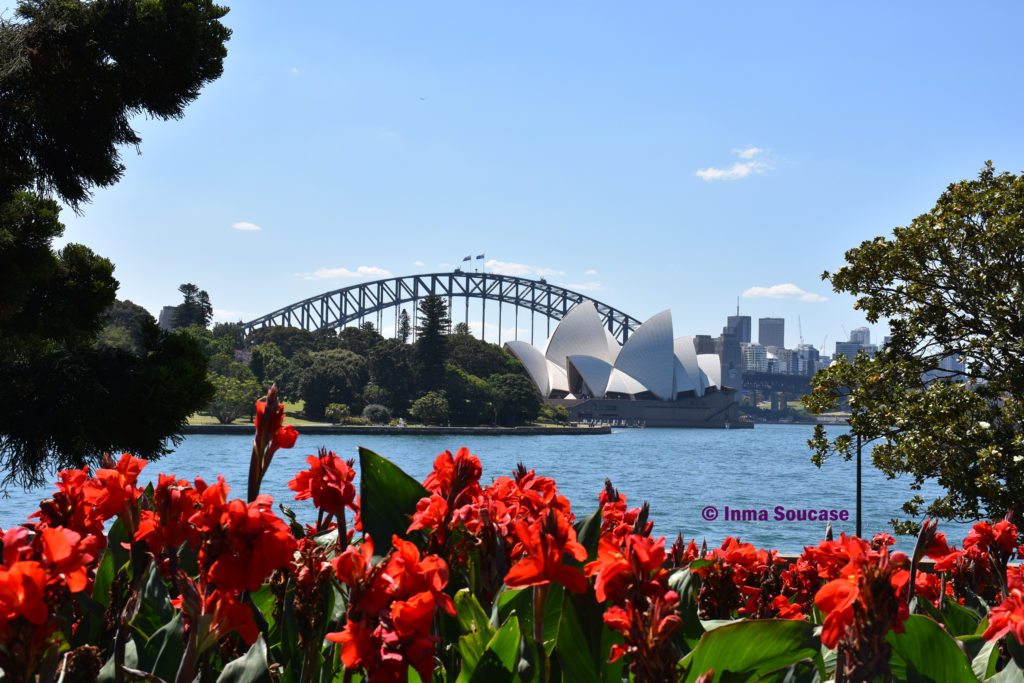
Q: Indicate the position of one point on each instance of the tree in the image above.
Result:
(431, 345)
(431, 408)
(233, 397)
(288, 340)
(72, 75)
(332, 377)
(337, 412)
(391, 368)
(127, 327)
(516, 399)
(461, 330)
(404, 327)
(360, 340)
(195, 309)
(470, 399)
(376, 413)
(479, 357)
(951, 285)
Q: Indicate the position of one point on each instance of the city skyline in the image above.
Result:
(655, 157)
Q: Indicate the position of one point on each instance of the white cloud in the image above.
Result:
(755, 160)
(246, 226)
(585, 286)
(294, 71)
(340, 273)
(419, 264)
(748, 152)
(520, 269)
(590, 271)
(783, 291)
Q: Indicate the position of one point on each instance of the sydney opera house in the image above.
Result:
(654, 379)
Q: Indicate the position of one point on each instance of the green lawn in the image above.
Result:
(290, 410)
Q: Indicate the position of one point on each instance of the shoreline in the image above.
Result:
(408, 431)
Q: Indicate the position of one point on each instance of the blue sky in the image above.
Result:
(656, 155)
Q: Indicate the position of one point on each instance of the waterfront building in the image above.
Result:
(166, 319)
(771, 332)
(808, 359)
(653, 379)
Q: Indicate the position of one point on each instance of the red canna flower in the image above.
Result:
(114, 490)
(254, 542)
(271, 435)
(328, 481)
(1007, 617)
(542, 547)
(22, 593)
(64, 559)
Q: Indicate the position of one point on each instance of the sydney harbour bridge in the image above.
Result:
(381, 302)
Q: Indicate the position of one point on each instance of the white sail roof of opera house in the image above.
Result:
(583, 359)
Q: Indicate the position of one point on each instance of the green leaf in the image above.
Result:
(388, 498)
(162, 654)
(571, 648)
(985, 658)
(687, 586)
(479, 631)
(252, 667)
(924, 651)
(1010, 674)
(155, 609)
(588, 532)
(131, 659)
(499, 662)
(104, 579)
(751, 649)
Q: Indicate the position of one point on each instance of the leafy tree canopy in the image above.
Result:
(951, 286)
(73, 74)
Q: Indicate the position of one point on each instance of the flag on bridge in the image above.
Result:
(467, 258)
(479, 256)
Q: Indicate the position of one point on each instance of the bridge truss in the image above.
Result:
(375, 300)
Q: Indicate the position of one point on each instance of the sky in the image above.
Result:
(651, 155)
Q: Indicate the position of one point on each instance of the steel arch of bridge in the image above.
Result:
(340, 307)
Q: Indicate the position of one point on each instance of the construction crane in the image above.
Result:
(800, 329)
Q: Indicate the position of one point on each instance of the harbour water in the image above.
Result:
(682, 473)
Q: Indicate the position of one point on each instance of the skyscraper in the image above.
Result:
(771, 332)
(740, 326)
(861, 335)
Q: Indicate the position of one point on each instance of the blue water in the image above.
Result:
(678, 471)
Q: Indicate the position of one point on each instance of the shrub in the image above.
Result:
(337, 412)
(377, 414)
(431, 408)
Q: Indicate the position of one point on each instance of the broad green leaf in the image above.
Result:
(388, 498)
(687, 586)
(959, 620)
(104, 579)
(572, 649)
(925, 652)
(499, 662)
(252, 667)
(751, 649)
(984, 661)
(155, 610)
(1010, 674)
(162, 654)
(477, 626)
(131, 660)
(588, 532)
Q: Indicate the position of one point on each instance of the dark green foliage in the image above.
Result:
(390, 364)
(431, 408)
(195, 310)
(951, 285)
(431, 346)
(73, 74)
(360, 340)
(75, 401)
(480, 358)
(377, 414)
(516, 399)
(234, 396)
(404, 327)
(332, 377)
(288, 340)
(231, 332)
(470, 399)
